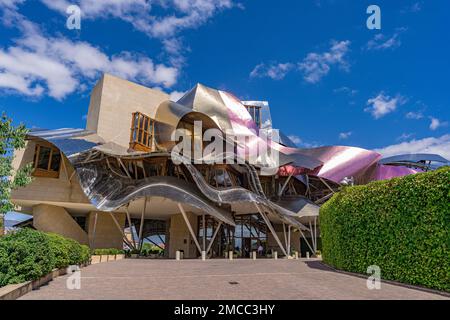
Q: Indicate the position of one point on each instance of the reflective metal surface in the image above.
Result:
(69, 141)
(108, 192)
(340, 162)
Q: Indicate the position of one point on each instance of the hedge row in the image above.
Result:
(28, 255)
(401, 225)
(111, 251)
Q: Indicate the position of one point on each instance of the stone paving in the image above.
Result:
(220, 279)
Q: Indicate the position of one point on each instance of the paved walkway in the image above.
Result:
(219, 279)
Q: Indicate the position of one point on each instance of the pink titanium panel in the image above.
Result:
(340, 162)
(243, 124)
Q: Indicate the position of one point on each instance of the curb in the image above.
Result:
(15, 291)
(106, 258)
(392, 282)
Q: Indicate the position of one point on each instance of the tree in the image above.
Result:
(11, 138)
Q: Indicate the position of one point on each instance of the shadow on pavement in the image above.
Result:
(319, 266)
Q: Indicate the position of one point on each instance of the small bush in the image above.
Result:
(61, 247)
(28, 255)
(111, 251)
(24, 256)
(401, 225)
(149, 248)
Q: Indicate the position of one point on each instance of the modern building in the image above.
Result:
(119, 180)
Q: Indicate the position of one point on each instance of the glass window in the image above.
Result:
(142, 128)
(44, 158)
(255, 113)
(47, 162)
(249, 235)
(56, 161)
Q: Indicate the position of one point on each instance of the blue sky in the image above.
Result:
(328, 78)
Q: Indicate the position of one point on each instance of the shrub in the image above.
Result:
(85, 254)
(61, 248)
(111, 251)
(25, 255)
(401, 225)
(149, 248)
(28, 255)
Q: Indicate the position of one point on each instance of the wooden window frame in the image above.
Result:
(43, 173)
(141, 138)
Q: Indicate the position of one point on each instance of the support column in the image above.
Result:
(194, 237)
(167, 240)
(284, 234)
(311, 232)
(121, 231)
(141, 227)
(131, 227)
(214, 237)
(269, 225)
(306, 240)
(289, 240)
(204, 232)
(95, 228)
(285, 184)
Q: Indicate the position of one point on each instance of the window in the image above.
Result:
(249, 235)
(223, 242)
(255, 112)
(142, 132)
(47, 161)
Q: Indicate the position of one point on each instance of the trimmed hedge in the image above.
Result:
(401, 225)
(28, 255)
(111, 251)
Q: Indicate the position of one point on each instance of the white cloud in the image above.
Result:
(314, 67)
(300, 143)
(383, 104)
(275, 71)
(317, 65)
(35, 68)
(11, 3)
(440, 145)
(414, 115)
(416, 7)
(413, 8)
(405, 136)
(173, 15)
(382, 42)
(345, 135)
(158, 19)
(348, 91)
(176, 95)
(436, 123)
(295, 139)
(20, 84)
(59, 65)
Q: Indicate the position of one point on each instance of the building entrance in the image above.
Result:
(250, 234)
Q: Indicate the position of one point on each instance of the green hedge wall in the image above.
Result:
(402, 225)
(28, 255)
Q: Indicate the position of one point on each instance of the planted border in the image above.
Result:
(28, 255)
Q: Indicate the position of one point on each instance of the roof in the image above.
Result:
(414, 157)
(69, 141)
